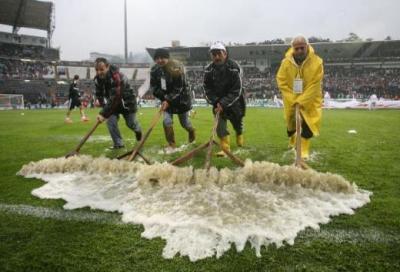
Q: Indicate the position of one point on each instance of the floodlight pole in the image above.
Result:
(126, 33)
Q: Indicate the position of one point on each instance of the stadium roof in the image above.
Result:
(273, 53)
(26, 13)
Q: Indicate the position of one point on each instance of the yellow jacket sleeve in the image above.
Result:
(283, 84)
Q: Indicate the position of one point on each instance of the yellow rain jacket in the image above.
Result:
(311, 72)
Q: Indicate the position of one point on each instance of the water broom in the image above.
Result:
(209, 146)
(136, 150)
(83, 141)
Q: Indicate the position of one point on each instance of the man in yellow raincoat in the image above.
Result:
(300, 81)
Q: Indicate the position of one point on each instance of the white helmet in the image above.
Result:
(217, 46)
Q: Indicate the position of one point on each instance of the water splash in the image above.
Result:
(201, 214)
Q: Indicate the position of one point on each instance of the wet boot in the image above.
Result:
(305, 148)
(138, 135)
(239, 140)
(225, 145)
(191, 135)
(292, 141)
(170, 136)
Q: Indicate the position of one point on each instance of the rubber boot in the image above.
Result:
(305, 148)
(292, 141)
(225, 145)
(138, 135)
(191, 135)
(170, 136)
(240, 140)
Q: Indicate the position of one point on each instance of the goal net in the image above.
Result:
(11, 101)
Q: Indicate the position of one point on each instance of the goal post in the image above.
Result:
(11, 101)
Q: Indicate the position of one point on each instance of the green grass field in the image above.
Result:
(366, 241)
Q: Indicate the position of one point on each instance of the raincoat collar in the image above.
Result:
(289, 55)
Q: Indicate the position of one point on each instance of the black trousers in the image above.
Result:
(305, 131)
(74, 103)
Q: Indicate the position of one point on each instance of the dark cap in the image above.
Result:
(161, 53)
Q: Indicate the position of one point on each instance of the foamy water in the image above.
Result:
(201, 214)
(171, 150)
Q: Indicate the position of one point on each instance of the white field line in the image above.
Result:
(333, 235)
(61, 214)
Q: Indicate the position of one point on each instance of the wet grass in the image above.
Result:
(370, 158)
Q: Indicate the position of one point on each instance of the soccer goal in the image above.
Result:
(11, 101)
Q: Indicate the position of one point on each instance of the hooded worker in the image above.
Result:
(300, 79)
(223, 90)
(168, 83)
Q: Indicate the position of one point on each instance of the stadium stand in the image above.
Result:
(29, 66)
(339, 81)
(352, 69)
